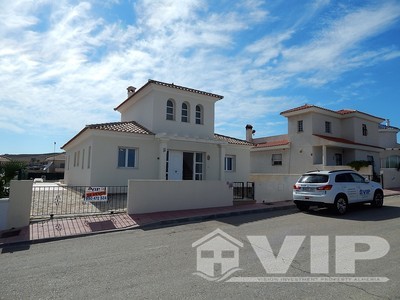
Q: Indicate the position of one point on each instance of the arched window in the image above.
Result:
(170, 113)
(199, 114)
(185, 112)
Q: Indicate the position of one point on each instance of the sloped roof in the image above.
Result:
(339, 112)
(136, 128)
(272, 144)
(129, 127)
(344, 141)
(170, 85)
(126, 127)
(231, 140)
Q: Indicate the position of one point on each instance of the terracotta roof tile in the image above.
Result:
(170, 85)
(231, 140)
(344, 141)
(129, 127)
(272, 144)
(340, 112)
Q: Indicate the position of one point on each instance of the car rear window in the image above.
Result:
(314, 178)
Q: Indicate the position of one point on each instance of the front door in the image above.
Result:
(175, 165)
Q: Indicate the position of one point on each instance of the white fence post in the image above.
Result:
(19, 208)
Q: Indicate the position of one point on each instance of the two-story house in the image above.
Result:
(166, 132)
(323, 139)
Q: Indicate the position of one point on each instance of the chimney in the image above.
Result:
(131, 90)
(387, 123)
(249, 133)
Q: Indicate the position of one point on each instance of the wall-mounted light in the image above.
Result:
(208, 157)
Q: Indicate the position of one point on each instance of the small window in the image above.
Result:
(83, 158)
(126, 158)
(328, 127)
(199, 114)
(300, 126)
(89, 154)
(364, 130)
(185, 112)
(170, 114)
(277, 159)
(229, 163)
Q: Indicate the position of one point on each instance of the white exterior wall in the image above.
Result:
(162, 195)
(261, 161)
(105, 170)
(79, 174)
(150, 111)
(141, 110)
(388, 138)
(318, 125)
(273, 187)
(242, 161)
(372, 137)
(391, 178)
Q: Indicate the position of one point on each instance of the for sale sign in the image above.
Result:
(96, 194)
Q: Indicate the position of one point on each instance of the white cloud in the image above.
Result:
(63, 66)
(336, 48)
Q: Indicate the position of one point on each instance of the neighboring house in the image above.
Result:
(166, 132)
(217, 254)
(323, 139)
(55, 163)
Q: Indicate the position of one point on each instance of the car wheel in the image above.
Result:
(340, 205)
(378, 199)
(302, 207)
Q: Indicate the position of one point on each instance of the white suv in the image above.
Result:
(335, 189)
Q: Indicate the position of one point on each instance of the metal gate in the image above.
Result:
(62, 201)
(243, 191)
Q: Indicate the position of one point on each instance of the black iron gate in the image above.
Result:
(242, 190)
(50, 201)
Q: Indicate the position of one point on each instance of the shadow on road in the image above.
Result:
(254, 217)
(361, 212)
(15, 248)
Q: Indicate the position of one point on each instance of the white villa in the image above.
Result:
(166, 132)
(323, 139)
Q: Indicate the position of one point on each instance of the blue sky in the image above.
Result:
(65, 64)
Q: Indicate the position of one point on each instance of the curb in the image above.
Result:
(154, 225)
(165, 223)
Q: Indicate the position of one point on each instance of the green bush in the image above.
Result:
(8, 171)
(358, 164)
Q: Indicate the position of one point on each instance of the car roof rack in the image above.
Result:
(343, 170)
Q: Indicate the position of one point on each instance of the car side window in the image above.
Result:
(340, 178)
(349, 178)
(357, 178)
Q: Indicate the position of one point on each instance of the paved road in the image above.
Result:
(159, 263)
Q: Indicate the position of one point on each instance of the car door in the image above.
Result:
(345, 183)
(364, 188)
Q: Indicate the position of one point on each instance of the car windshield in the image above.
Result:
(313, 178)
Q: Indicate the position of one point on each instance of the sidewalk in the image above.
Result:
(54, 229)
